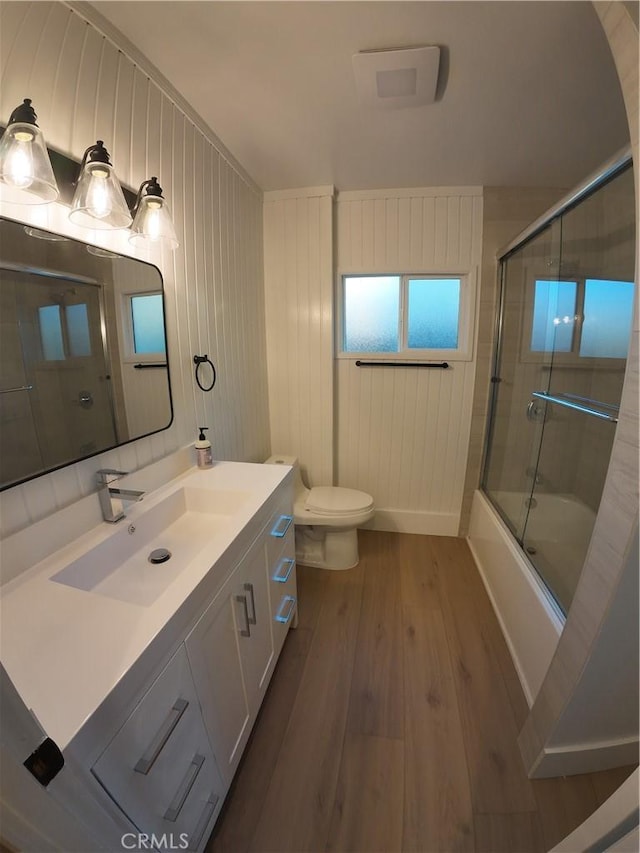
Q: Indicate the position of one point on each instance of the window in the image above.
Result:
(588, 318)
(406, 316)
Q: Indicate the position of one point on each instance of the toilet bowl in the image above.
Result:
(326, 520)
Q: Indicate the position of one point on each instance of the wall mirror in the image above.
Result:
(83, 358)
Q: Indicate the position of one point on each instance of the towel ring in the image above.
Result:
(199, 360)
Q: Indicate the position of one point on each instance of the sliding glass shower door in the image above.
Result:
(523, 364)
(567, 304)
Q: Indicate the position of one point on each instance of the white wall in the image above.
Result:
(402, 435)
(86, 86)
(298, 258)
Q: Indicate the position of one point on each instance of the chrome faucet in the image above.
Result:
(112, 498)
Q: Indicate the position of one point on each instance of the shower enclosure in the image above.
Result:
(565, 317)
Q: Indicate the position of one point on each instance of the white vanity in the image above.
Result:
(149, 677)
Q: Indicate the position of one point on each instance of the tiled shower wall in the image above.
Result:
(84, 86)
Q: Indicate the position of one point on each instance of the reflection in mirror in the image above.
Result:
(83, 361)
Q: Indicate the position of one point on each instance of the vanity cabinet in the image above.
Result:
(160, 768)
(160, 692)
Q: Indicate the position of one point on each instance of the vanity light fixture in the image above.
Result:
(152, 223)
(98, 201)
(26, 172)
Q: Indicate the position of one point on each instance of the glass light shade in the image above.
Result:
(99, 201)
(26, 174)
(153, 224)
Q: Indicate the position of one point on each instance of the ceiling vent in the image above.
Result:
(394, 79)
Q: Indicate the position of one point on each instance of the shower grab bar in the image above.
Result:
(442, 364)
(19, 388)
(569, 404)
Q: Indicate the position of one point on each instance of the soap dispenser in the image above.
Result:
(204, 456)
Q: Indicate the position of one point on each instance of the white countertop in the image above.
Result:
(65, 648)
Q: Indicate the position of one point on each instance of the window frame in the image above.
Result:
(466, 317)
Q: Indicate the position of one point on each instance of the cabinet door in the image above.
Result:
(214, 655)
(253, 615)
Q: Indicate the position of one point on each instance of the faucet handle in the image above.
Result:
(108, 475)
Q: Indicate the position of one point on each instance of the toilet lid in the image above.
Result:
(334, 500)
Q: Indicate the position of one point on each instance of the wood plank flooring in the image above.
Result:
(391, 721)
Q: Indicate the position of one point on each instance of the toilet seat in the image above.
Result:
(337, 501)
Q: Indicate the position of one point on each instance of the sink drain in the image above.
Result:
(159, 555)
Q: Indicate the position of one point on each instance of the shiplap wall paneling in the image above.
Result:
(298, 251)
(86, 85)
(403, 434)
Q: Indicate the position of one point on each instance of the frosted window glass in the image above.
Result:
(608, 308)
(148, 323)
(371, 311)
(433, 314)
(78, 329)
(554, 309)
(51, 332)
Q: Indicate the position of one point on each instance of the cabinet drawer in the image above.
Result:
(159, 768)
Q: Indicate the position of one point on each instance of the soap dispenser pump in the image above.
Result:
(204, 456)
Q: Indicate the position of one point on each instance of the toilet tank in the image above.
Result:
(281, 459)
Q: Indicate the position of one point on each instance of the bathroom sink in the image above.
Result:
(184, 523)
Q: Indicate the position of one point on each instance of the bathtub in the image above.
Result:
(557, 537)
(530, 620)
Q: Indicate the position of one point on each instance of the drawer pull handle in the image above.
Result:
(251, 619)
(155, 747)
(281, 526)
(244, 632)
(281, 615)
(183, 791)
(209, 808)
(284, 569)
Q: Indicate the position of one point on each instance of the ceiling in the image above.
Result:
(527, 94)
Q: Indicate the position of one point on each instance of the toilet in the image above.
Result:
(326, 521)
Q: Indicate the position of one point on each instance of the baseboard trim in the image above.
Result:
(408, 521)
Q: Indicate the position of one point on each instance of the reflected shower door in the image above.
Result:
(65, 362)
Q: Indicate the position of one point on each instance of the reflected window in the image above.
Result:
(78, 329)
(554, 314)
(148, 323)
(608, 309)
(64, 331)
(50, 322)
(590, 318)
